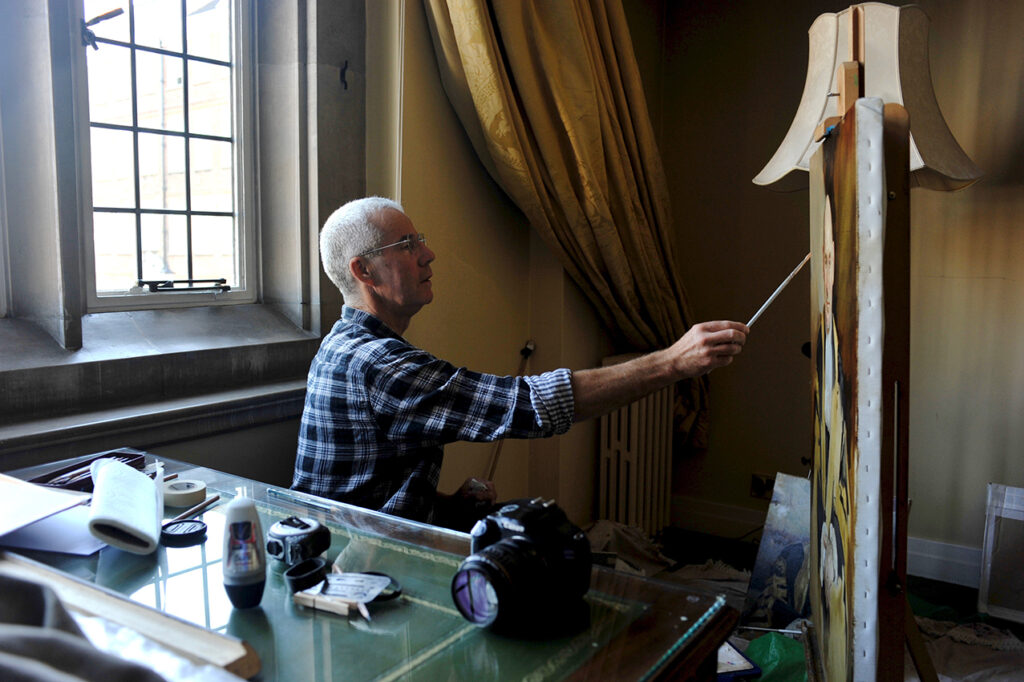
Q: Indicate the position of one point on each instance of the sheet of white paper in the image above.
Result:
(66, 532)
(22, 503)
(357, 587)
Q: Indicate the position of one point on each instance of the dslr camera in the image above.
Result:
(294, 540)
(527, 559)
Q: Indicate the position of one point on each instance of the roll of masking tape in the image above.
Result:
(183, 492)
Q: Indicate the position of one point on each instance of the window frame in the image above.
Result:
(244, 134)
(5, 269)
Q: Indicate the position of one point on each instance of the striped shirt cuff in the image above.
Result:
(552, 400)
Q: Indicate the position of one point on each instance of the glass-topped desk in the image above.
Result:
(638, 629)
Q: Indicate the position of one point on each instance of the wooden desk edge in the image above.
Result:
(633, 654)
(190, 641)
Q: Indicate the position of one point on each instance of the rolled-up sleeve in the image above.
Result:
(552, 400)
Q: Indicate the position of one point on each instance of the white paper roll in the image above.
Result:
(184, 492)
(126, 506)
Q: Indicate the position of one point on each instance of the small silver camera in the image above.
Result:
(294, 540)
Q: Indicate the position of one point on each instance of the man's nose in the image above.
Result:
(426, 256)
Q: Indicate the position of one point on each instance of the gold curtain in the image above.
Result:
(550, 96)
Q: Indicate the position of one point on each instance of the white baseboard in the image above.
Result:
(942, 561)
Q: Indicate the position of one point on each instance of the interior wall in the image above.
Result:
(486, 300)
(263, 453)
(731, 79)
(967, 251)
(729, 85)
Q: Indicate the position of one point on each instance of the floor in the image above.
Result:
(687, 547)
(963, 643)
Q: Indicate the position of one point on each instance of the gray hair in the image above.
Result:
(353, 229)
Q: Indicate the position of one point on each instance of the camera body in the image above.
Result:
(294, 540)
(527, 558)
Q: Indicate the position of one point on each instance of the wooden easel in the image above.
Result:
(894, 612)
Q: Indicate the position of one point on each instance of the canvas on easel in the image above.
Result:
(859, 198)
(868, 127)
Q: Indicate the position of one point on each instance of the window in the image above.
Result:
(126, 366)
(170, 154)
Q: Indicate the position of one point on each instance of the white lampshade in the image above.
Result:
(895, 69)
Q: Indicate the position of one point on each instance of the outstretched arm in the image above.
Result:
(704, 347)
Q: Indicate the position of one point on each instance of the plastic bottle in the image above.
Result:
(245, 562)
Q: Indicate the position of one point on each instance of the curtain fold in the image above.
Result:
(550, 96)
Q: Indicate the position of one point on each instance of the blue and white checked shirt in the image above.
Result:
(378, 411)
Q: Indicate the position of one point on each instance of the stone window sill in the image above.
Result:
(208, 367)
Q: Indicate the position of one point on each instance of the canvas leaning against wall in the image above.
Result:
(777, 594)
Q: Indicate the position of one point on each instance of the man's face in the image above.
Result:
(401, 276)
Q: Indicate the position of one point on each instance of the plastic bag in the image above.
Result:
(780, 658)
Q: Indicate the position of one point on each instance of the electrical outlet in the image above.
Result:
(761, 486)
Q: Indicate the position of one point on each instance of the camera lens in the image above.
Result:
(495, 585)
(474, 595)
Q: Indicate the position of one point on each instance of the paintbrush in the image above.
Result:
(778, 290)
(196, 509)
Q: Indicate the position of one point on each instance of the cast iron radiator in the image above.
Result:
(636, 461)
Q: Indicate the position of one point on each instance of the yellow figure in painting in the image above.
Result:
(833, 426)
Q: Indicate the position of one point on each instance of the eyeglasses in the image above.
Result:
(409, 242)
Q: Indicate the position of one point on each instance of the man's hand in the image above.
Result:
(478, 491)
(465, 506)
(707, 346)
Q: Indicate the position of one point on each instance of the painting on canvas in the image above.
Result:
(838, 257)
(777, 594)
(859, 239)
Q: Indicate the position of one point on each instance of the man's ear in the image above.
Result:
(359, 271)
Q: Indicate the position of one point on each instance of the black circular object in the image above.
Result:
(482, 587)
(392, 591)
(474, 595)
(306, 574)
(183, 533)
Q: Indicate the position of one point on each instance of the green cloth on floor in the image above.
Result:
(780, 658)
(922, 607)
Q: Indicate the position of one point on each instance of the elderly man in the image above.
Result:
(379, 410)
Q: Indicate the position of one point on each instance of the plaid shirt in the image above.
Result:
(378, 411)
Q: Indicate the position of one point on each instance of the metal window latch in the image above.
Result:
(88, 37)
(155, 285)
